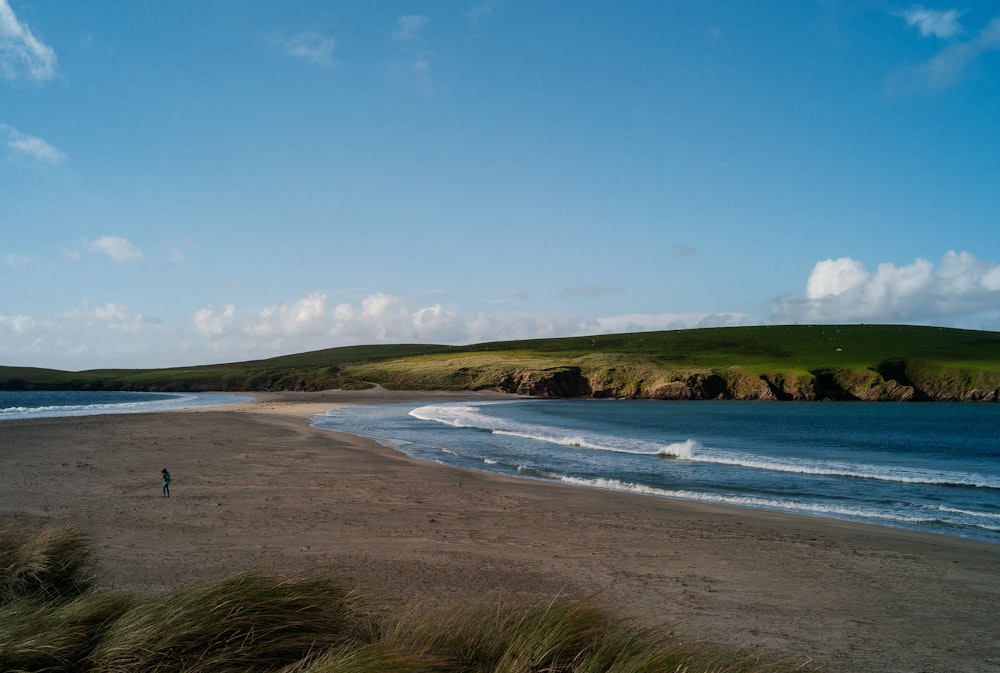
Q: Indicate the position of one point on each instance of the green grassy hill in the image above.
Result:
(807, 362)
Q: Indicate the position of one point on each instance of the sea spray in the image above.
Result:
(685, 450)
(455, 415)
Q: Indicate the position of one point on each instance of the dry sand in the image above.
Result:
(256, 487)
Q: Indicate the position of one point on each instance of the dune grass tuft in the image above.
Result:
(50, 564)
(574, 638)
(248, 622)
(375, 657)
(492, 638)
(56, 635)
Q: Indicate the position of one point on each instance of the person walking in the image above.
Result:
(166, 483)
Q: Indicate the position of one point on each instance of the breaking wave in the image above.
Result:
(981, 520)
(470, 416)
(933, 471)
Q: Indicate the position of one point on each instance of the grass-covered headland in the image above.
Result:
(53, 620)
(789, 362)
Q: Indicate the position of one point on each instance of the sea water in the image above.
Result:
(932, 467)
(53, 403)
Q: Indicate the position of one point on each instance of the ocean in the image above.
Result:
(931, 467)
(48, 403)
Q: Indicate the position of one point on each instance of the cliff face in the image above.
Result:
(554, 382)
(891, 383)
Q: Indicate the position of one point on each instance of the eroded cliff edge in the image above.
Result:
(890, 382)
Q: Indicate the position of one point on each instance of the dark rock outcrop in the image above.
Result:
(894, 382)
(554, 382)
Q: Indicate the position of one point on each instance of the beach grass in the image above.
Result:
(49, 564)
(248, 622)
(571, 638)
(47, 635)
(252, 622)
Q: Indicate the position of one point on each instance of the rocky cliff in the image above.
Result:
(892, 382)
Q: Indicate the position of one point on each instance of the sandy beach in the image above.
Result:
(254, 486)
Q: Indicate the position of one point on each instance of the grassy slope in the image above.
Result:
(303, 371)
(793, 362)
(728, 362)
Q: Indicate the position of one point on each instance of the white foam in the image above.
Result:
(901, 475)
(863, 513)
(455, 415)
(170, 402)
(968, 512)
(469, 416)
(570, 463)
(686, 450)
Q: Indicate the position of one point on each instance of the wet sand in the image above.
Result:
(254, 486)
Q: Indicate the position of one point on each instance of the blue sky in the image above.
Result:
(193, 182)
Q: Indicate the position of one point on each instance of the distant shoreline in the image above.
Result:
(60, 403)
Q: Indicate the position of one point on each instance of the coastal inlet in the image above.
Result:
(927, 467)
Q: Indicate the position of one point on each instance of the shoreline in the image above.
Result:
(857, 506)
(255, 486)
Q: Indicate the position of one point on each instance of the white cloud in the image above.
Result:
(950, 65)
(21, 53)
(111, 311)
(936, 23)
(111, 335)
(20, 325)
(300, 317)
(37, 148)
(10, 259)
(413, 61)
(385, 318)
(213, 324)
(86, 337)
(29, 146)
(478, 11)
(109, 317)
(835, 277)
(515, 325)
(117, 248)
(312, 322)
(312, 47)
(410, 26)
(843, 290)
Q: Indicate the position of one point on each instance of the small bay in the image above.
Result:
(931, 467)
